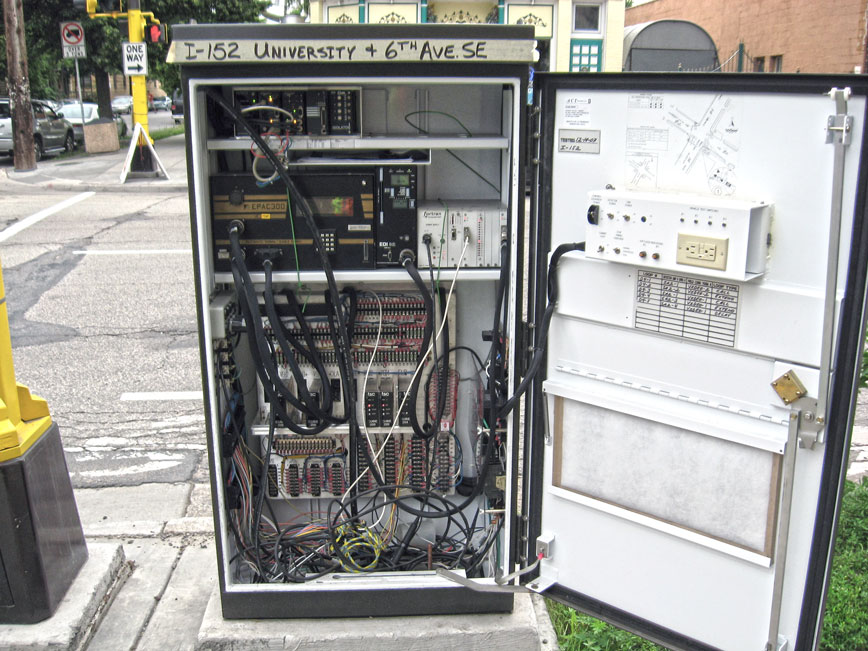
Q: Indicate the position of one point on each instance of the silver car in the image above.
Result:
(51, 133)
(73, 113)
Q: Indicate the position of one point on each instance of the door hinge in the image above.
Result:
(839, 132)
(783, 644)
(808, 423)
(839, 127)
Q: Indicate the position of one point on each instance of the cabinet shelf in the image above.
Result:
(364, 276)
(397, 143)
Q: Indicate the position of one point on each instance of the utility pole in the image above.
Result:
(18, 81)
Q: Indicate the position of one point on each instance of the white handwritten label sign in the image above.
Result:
(426, 50)
(579, 141)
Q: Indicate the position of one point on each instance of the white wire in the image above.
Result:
(376, 458)
(267, 107)
(420, 365)
(375, 461)
(258, 176)
(371, 363)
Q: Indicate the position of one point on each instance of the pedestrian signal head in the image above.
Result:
(155, 33)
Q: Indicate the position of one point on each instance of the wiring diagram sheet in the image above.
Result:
(682, 141)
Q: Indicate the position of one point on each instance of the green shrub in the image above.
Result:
(577, 632)
(845, 627)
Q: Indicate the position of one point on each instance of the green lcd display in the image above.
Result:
(400, 179)
(332, 206)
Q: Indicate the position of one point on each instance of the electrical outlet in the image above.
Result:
(702, 251)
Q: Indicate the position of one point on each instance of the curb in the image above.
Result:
(78, 186)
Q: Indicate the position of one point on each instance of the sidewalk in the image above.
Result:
(101, 172)
(151, 578)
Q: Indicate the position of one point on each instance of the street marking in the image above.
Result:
(133, 251)
(150, 466)
(161, 395)
(17, 227)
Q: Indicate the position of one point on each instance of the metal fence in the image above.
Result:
(739, 61)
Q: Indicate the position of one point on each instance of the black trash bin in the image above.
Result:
(42, 546)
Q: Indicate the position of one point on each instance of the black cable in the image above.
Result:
(423, 431)
(262, 356)
(539, 348)
(260, 498)
(312, 353)
(496, 358)
(256, 336)
(309, 403)
(442, 375)
(345, 365)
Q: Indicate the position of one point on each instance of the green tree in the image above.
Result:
(48, 68)
(173, 12)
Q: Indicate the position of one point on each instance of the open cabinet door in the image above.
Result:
(689, 438)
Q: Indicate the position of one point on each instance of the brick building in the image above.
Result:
(778, 35)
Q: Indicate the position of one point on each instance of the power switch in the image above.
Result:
(594, 214)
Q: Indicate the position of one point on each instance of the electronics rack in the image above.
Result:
(323, 431)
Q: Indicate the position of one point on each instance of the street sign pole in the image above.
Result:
(80, 101)
(72, 41)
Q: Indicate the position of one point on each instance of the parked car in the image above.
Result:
(53, 103)
(178, 107)
(163, 103)
(73, 113)
(122, 104)
(51, 133)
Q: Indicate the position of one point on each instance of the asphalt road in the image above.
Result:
(103, 323)
(156, 120)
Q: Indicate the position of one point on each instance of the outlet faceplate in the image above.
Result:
(702, 251)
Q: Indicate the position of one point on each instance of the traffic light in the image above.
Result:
(94, 6)
(85, 5)
(155, 34)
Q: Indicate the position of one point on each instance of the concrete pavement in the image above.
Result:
(101, 172)
(150, 581)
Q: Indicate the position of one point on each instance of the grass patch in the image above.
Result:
(578, 632)
(159, 134)
(845, 626)
(156, 134)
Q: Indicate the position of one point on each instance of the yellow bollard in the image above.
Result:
(23, 418)
(42, 547)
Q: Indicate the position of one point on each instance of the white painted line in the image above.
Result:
(161, 395)
(133, 251)
(19, 226)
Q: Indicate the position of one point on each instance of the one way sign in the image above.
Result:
(135, 58)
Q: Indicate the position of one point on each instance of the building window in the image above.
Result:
(776, 63)
(759, 64)
(587, 18)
